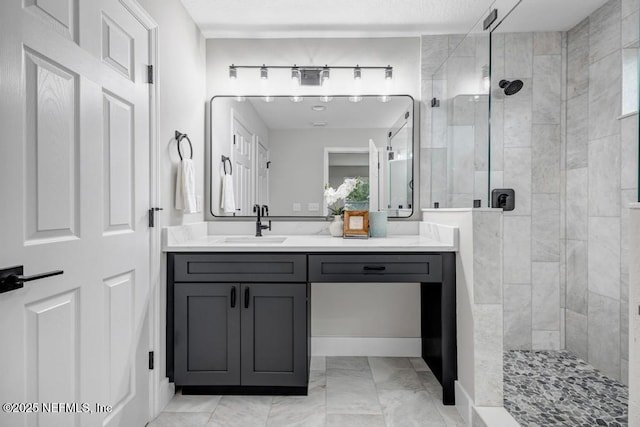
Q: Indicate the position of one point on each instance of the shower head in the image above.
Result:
(511, 88)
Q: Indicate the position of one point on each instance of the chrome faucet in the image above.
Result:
(264, 209)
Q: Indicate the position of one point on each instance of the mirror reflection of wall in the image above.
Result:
(277, 150)
(347, 165)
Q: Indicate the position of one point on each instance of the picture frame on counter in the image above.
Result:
(356, 224)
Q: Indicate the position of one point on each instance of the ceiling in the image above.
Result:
(369, 113)
(372, 18)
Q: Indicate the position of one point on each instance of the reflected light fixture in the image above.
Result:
(357, 73)
(388, 72)
(355, 98)
(326, 98)
(295, 75)
(486, 81)
(296, 98)
(325, 74)
(384, 98)
(233, 72)
(264, 73)
(268, 99)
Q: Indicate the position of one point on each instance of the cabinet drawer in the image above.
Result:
(240, 268)
(375, 268)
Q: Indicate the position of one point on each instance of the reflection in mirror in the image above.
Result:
(284, 150)
(630, 79)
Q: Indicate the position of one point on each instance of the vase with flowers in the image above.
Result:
(335, 203)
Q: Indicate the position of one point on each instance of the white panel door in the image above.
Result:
(74, 185)
(242, 160)
(374, 176)
(262, 174)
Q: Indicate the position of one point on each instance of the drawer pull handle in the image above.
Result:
(233, 297)
(246, 297)
(374, 268)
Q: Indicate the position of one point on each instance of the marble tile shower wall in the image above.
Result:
(526, 152)
(601, 180)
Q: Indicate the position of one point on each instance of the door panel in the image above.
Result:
(274, 334)
(119, 172)
(52, 149)
(262, 174)
(52, 338)
(207, 334)
(60, 15)
(242, 159)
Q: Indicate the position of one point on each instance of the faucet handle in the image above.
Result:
(265, 210)
(256, 208)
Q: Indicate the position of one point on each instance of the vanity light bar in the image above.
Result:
(297, 72)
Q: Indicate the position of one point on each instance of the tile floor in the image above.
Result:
(343, 391)
(555, 388)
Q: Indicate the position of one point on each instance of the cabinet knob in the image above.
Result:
(246, 297)
(233, 297)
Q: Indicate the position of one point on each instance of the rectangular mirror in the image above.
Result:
(281, 151)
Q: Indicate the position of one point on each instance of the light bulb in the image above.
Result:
(388, 72)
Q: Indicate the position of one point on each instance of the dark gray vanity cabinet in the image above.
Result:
(240, 322)
(207, 334)
(274, 334)
(239, 336)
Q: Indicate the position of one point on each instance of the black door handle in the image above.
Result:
(246, 297)
(233, 297)
(374, 268)
(12, 278)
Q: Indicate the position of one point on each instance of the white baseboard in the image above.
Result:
(494, 417)
(357, 346)
(166, 390)
(464, 403)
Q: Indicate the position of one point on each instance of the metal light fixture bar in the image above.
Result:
(308, 74)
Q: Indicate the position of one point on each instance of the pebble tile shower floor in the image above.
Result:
(343, 391)
(555, 388)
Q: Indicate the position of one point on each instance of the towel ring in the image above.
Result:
(179, 138)
(226, 159)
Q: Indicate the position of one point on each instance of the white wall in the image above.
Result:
(300, 153)
(181, 77)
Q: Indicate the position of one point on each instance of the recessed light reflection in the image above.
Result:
(296, 98)
(268, 99)
(355, 98)
(384, 98)
(326, 98)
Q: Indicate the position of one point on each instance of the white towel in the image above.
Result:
(227, 201)
(186, 187)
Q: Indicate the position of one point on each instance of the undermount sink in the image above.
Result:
(255, 240)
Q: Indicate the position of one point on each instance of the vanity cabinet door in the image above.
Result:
(274, 334)
(207, 334)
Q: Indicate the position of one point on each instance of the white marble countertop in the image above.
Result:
(195, 238)
(301, 243)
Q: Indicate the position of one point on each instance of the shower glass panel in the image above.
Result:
(459, 149)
